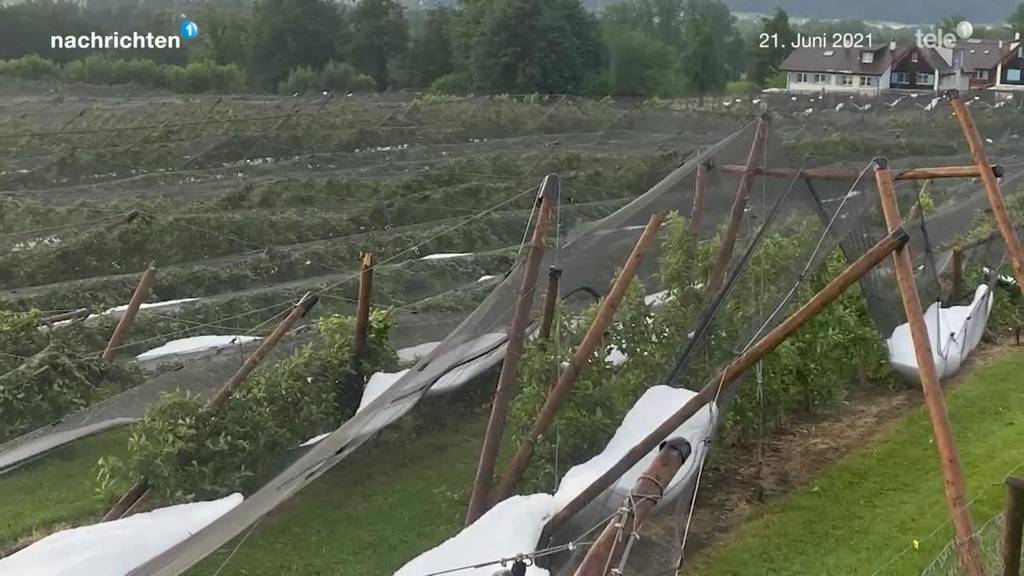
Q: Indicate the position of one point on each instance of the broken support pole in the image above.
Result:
(567, 379)
(956, 492)
(121, 330)
(80, 314)
(1014, 526)
(297, 312)
(367, 262)
(722, 381)
(739, 206)
(607, 552)
(505, 389)
(550, 302)
(988, 180)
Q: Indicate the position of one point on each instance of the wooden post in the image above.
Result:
(367, 262)
(133, 495)
(722, 381)
(297, 312)
(957, 288)
(506, 387)
(567, 379)
(933, 173)
(739, 205)
(121, 330)
(80, 314)
(605, 555)
(699, 188)
(1014, 520)
(956, 497)
(988, 179)
(550, 302)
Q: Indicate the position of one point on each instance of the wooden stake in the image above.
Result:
(506, 387)
(121, 330)
(938, 172)
(607, 551)
(80, 314)
(995, 196)
(699, 188)
(580, 358)
(956, 497)
(739, 206)
(957, 263)
(722, 381)
(550, 302)
(297, 312)
(1014, 520)
(133, 495)
(363, 306)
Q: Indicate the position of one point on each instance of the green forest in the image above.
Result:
(662, 48)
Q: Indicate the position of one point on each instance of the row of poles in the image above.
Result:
(605, 555)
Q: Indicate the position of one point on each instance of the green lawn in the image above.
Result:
(56, 490)
(370, 514)
(874, 503)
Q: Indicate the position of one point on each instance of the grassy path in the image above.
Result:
(870, 507)
(369, 515)
(56, 490)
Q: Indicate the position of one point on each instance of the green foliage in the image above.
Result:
(455, 83)
(47, 374)
(810, 371)
(430, 53)
(763, 62)
(525, 46)
(335, 77)
(188, 452)
(195, 77)
(712, 48)
(285, 34)
(380, 36)
(639, 65)
(740, 88)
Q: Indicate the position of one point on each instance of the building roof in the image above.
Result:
(930, 56)
(842, 60)
(982, 54)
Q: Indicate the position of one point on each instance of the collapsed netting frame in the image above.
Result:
(178, 559)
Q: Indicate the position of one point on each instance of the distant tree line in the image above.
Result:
(632, 48)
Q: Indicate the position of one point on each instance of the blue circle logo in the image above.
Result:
(189, 30)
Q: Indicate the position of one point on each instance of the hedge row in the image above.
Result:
(193, 78)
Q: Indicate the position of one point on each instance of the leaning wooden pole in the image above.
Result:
(1014, 526)
(988, 180)
(121, 330)
(367, 262)
(700, 187)
(722, 381)
(505, 389)
(140, 489)
(550, 302)
(607, 554)
(956, 492)
(591, 340)
(739, 206)
(297, 312)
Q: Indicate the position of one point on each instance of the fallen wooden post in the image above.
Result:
(590, 342)
(127, 500)
(956, 492)
(80, 314)
(304, 305)
(367, 262)
(739, 206)
(505, 389)
(121, 330)
(550, 302)
(722, 381)
(936, 173)
(1014, 526)
(995, 196)
(607, 555)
